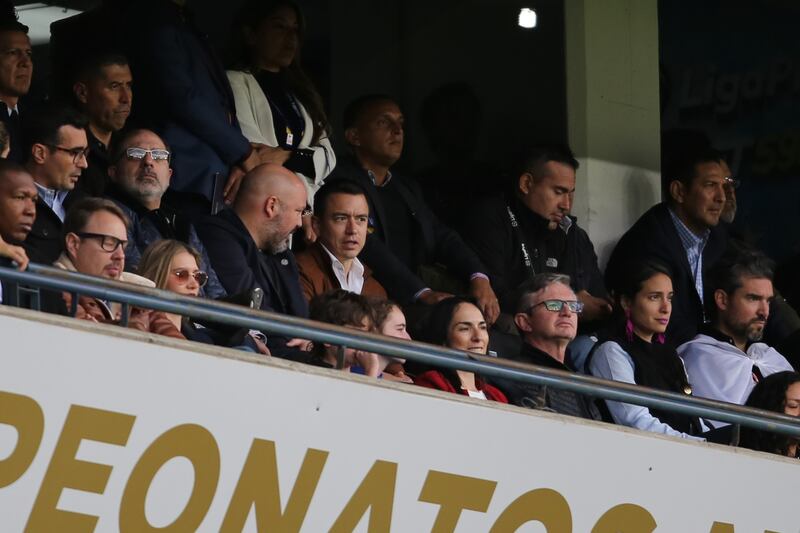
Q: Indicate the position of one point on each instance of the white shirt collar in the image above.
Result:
(353, 281)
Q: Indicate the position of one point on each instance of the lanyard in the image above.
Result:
(298, 113)
(526, 257)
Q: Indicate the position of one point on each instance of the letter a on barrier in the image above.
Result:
(375, 493)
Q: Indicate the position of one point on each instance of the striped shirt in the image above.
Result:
(693, 245)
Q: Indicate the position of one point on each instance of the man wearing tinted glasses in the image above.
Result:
(547, 320)
(56, 158)
(139, 175)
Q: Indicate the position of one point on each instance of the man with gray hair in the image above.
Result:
(726, 360)
(547, 319)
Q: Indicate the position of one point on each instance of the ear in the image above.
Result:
(525, 182)
(721, 299)
(522, 322)
(625, 303)
(677, 191)
(72, 243)
(352, 137)
(315, 223)
(39, 153)
(271, 206)
(80, 91)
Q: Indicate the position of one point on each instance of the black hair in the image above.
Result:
(343, 186)
(738, 263)
(769, 394)
(9, 20)
(532, 159)
(250, 15)
(41, 125)
(683, 167)
(637, 272)
(91, 66)
(354, 110)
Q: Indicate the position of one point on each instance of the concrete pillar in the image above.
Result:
(613, 113)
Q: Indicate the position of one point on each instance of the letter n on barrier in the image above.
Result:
(24, 415)
(453, 494)
(67, 472)
(258, 485)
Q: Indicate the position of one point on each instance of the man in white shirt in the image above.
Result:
(341, 220)
(56, 158)
(726, 360)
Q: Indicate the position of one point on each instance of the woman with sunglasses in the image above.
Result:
(635, 351)
(277, 105)
(173, 266)
(458, 323)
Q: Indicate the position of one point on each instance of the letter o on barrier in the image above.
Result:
(26, 416)
(541, 505)
(196, 444)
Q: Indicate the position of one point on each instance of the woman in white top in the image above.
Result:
(277, 106)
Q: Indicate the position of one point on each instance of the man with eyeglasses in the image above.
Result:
(95, 236)
(57, 148)
(139, 175)
(547, 320)
(16, 71)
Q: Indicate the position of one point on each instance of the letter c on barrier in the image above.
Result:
(24, 415)
(625, 518)
(192, 442)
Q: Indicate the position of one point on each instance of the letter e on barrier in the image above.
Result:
(26, 417)
(453, 494)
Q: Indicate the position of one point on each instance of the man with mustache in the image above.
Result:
(249, 245)
(16, 71)
(102, 89)
(139, 175)
(725, 360)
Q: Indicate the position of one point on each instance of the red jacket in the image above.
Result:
(434, 379)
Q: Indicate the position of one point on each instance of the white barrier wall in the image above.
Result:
(101, 431)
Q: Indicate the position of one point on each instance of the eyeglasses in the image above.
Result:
(108, 243)
(307, 212)
(732, 182)
(76, 153)
(183, 276)
(557, 305)
(139, 153)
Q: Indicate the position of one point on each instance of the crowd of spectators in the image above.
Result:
(151, 164)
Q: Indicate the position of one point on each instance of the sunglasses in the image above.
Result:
(139, 153)
(183, 276)
(557, 305)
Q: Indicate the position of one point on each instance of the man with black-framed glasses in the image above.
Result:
(56, 157)
(139, 175)
(547, 319)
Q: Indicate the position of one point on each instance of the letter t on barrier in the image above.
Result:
(453, 494)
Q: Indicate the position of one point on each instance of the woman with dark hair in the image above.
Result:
(779, 392)
(635, 351)
(277, 106)
(458, 323)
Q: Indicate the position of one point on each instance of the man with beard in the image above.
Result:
(249, 243)
(102, 89)
(726, 360)
(139, 176)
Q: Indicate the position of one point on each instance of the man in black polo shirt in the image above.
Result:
(399, 215)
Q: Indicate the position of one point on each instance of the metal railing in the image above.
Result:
(273, 323)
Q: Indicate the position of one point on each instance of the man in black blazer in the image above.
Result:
(399, 215)
(17, 212)
(16, 71)
(684, 234)
(249, 244)
(56, 158)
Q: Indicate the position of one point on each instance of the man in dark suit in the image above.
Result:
(57, 156)
(684, 234)
(16, 70)
(249, 244)
(399, 215)
(17, 212)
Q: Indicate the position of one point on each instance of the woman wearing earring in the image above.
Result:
(635, 352)
(277, 106)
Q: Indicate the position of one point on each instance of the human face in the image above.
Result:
(144, 179)
(289, 218)
(791, 405)
(743, 314)
(343, 227)
(87, 254)
(651, 307)
(467, 330)
(729, 211)
(16, 66)
(700, 206)
(187, 285)
(547, 325)
(549, 194)
(59, 169)
(275, 41)
(107, 97)
(395, 324)
(377, 137)
(17, 206)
